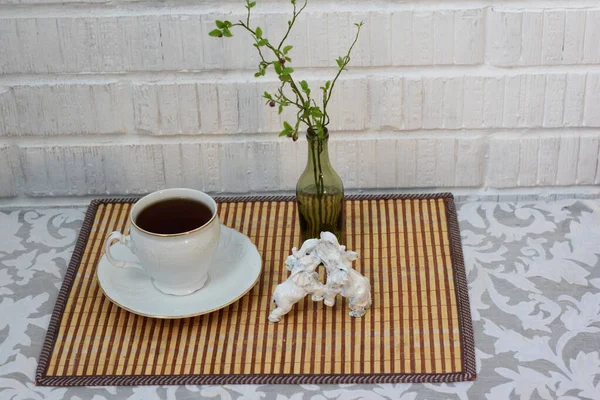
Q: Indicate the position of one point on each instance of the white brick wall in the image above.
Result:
(128, 97)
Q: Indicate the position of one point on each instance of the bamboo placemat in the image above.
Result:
(417, 330)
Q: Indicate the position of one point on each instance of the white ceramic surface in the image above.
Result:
(236, 268)
(178, 263)
(303, 280)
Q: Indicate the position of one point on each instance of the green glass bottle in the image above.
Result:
(320, 192)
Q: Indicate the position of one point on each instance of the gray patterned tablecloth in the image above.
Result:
(534, 285)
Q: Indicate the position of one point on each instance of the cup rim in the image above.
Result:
(174, 190)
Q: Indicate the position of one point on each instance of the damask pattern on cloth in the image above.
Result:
(534, 286)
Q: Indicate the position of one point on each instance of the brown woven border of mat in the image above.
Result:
(465, 324)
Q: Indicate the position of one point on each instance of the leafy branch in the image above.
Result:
(315, 117)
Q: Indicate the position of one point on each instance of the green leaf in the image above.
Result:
(258, 32)
(287, 70)
(288, 59)
(327, 84)
(228, 24)
(277, 67)
(316, 112)
(286, 49)
(215, 33)
(305, 87)
(287, 126)
(280, 109)
(340, 62)
(263, 42)
(267, 95)
(227, 33)
(220, 24)
(252, 4)
(257, 75)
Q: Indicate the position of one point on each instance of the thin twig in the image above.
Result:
(291, 24)
(346, 61)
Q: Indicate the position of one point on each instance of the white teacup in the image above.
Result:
(177, 263)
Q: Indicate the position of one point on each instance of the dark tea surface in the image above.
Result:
(173, 216)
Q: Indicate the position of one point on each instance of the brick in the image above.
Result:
(402, 40)
(407, 163)
(386, 103)
(503, 163)
(380, 27)
(386, 160)
(234, 107)
(553, 36)
(531, 39)
(361, 54)
(249, 100)
(228, 107)
(174, 169)
(337, 33)
(453, 103)
(344, 156)
(66, 109)
(291, 163)
(179, 41)
(473, 105)
(493, 101)
(528, 161)
(554, 100)
(433, 103)
(208, 107)
(469, 161)
(134, 169)
(265, 166)
(210, 161)
(534, 94)
(413, 103)
(505, 37)
(422, 28)
(443, 37)
(513, 100)
(468, 36)
(591, 49)
(367, 169)
(426, 163)
(574, 37)
(574, 100)
(241, 167)
(548, 160)
(591, 114)
(9, 171)
(567, 160)
(445, 161)
(145, 102)
(317, 39)
(350, 115)
(587, 160)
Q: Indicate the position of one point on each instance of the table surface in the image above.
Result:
(534, 286)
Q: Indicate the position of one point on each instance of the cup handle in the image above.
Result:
(123, 239)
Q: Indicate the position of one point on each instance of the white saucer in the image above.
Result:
(236, 269)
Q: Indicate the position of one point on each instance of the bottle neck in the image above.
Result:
(318, 151)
